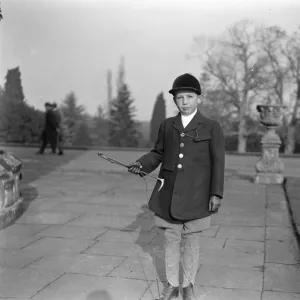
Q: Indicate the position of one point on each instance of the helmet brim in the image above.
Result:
(174, 91)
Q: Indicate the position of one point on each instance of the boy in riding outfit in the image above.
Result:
(190, 149)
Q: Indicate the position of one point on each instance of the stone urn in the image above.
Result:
(10, 197)
(270, 168)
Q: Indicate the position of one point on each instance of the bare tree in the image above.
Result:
(213, 104)
(273, 42)
(292, 53)
(238, 69)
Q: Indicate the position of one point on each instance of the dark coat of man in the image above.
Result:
(50, 131)
(58, 122)
(49, 134)
(59, 134)
(192, 165)
(51, 124)
(57, 116)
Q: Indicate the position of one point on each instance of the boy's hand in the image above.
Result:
(135, 167)
(214, 204)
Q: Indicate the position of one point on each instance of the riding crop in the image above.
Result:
(127, 166)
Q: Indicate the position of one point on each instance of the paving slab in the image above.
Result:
(230, 257)
(17, 242)
(282, 278)
(11, 298)
(280, 233)
(22, 229)
(249, 210)
(78, 264)
(230, 277)
(121, 249)
(239, 184)
(136, 237)
(17, 259)
(284, 252)
(242, 186)
(208, 293)
(242, 233)
(41, 204)
(142, 268)
(279, 296)
(117, 222)
(71, 232)
(245, 195)
(205, 242)
(24, 283)
(276, 197)
(277, 215)
(108, 199)
(211, 232)
(48, 217)
(87, 287)
(100, 209)
(211, 242)
(238, 220)
(49, 245)
(245, 246)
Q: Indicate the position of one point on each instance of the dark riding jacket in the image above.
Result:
(192, 164)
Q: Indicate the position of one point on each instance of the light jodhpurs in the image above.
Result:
(189, 232)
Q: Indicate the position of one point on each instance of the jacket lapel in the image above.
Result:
(177, 123)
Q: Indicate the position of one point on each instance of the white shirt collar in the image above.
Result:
(187, 119)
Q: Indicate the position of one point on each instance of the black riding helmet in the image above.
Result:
(186, 82)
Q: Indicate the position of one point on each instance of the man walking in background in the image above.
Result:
(49, 134)
(59, 131)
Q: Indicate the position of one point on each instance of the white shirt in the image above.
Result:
(187, 119)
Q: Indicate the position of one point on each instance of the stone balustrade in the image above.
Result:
(10, 195)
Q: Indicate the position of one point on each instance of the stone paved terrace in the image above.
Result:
(86, 234)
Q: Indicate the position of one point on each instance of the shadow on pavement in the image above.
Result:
(155, 250)
(29, 193)
(98, 295)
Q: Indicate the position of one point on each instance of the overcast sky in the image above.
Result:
(68, 45)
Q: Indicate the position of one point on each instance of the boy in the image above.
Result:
(190, 148)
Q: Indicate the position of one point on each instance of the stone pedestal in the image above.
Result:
(10, 196)
(270, 168)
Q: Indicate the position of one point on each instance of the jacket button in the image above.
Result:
(179, 166)
(181, 145)
(181, 155)
(182, 134)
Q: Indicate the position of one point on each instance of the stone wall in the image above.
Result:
(10, 196)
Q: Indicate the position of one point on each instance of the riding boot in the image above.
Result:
(170, 292)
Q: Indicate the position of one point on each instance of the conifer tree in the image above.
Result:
(72, 118)
(122, 127)
(158, 115)
(12, 107)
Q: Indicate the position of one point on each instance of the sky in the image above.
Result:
(68, 45)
